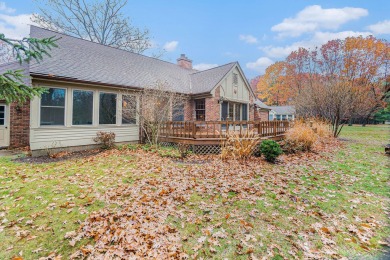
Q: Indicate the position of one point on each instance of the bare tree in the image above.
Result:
(157, 105)
(101, 22)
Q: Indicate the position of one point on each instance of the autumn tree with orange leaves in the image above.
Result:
(340, 80)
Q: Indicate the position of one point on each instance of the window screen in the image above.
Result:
(53, 107)
(82, 107)
(178, 112)
(200, 109)
(2, 114)
(129, 109)
(244, 112)
(224, 112)
(107, 108)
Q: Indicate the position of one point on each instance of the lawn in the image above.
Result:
(331, 203)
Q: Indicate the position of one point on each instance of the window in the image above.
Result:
(2, 114)
(277, 117)
(234, 111)
(231, 111)
(107, 108)
(53, 107)
(200, 109)
(244, 112)
(235, 79)
(82, 107)
(284, 117)
(178, 112)
(129, 109)
(237, 112)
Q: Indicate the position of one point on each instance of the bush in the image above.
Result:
(239, 146)
(106, 139)
(270, 149)
(322, 128)
(300, 137)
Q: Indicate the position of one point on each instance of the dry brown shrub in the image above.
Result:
(322, 128)
(300, 137)
(239, 146)
(304, 133)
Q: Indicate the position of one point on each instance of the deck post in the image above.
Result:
(193, 130)
(275, 128)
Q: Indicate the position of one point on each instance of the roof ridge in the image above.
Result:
(234, 62)
(145, 56)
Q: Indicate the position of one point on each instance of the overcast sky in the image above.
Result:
(255, 34)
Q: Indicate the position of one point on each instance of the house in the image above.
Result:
(85, 83)
(262, 111)
(282, 113)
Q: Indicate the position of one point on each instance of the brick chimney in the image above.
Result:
(184, 62)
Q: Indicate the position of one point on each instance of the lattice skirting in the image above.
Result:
(202, 149)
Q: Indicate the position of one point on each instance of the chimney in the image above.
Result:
(184, 62)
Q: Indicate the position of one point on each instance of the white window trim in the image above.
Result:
(93, 107)
(65, 108)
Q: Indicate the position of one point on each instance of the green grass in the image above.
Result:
(294, 198)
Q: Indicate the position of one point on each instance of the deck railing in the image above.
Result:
(219, 129)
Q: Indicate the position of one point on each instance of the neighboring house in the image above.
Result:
(282, 113)
(86, 83)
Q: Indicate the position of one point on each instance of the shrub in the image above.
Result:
(270, 149)
(239, 146)
(322, 128)
(105, 139)
(301, 137)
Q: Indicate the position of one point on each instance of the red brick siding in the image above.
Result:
(19, 125)
(189, 110)
(261, 115)
(213, 107)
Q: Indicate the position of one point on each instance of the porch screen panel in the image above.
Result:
(244, 108)
(82, 107)
(237, 114)
(224, 112)
(53, 107)
(107, 108)
(129, 109)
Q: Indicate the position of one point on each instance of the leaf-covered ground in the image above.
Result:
(332, 203)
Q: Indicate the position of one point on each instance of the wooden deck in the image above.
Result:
(213, 132)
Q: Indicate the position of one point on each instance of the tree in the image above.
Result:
(158, 104)
(273, 87)
(347, 80)
(101, 22)
(12, 86)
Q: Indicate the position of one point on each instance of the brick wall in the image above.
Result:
(189, 110)
(19, 125)
(261, 115)
(213, 107)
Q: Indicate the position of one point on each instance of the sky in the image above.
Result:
(254, 33)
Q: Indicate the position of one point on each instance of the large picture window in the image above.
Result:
(107, 108)
(200, 109)
(53, 107)
(129, 109)
(82, 107)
